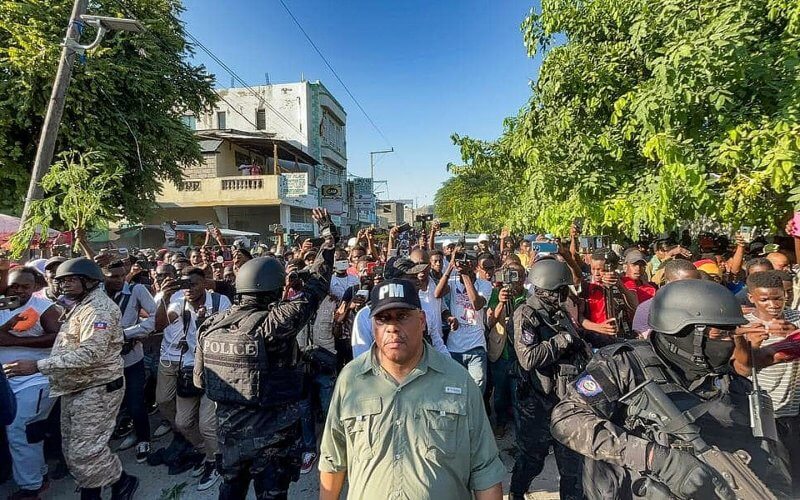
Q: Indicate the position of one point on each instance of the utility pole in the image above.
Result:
(55, 109)
(372, 161)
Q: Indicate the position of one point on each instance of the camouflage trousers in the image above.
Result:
(88, 418)
(271, 462)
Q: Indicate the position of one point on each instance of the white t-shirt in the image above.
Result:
(173, 333)
(361, 337)
(340, 285)
(433, 308)
(471, 323)
(9, 354)
(781, 381)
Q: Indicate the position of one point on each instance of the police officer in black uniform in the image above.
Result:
(688, 355)
(550, 354)
(249, 362)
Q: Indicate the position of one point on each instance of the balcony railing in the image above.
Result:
(241, 183)
(220, 191)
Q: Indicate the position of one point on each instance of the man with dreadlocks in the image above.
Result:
(248, 361)
(550, 355)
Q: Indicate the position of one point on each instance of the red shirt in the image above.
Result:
(643, 292)
(595, 303)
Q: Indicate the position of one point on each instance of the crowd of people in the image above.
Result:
(395, 365)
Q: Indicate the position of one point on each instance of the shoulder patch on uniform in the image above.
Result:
(100, 325)
(588, 386)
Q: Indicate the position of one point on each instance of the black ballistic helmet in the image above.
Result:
(80, 266)
(694, 302)
(262, 274)
(550, 274)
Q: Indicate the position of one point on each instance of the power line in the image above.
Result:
(241, 81)
(223, 65)
(374, 125)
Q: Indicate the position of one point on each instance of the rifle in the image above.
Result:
(760, 407)
(732, 467)
(616, 302)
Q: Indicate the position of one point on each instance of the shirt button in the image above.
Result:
(398, 423)
(397, 457)
(398, 390)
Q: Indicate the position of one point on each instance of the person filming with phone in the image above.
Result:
(469, 296)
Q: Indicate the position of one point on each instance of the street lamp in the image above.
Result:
(55, 107)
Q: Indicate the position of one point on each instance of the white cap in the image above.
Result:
(352, 242)
(483, 237)
(447, 243)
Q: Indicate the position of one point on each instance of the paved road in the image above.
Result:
(156, 483)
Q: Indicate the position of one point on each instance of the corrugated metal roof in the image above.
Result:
(209, 145)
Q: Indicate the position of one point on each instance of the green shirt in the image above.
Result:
(427, 438)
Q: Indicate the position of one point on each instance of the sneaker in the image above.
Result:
(308, 462)
(162, 430)
(142, 452)
(209, 477)
(127, 443)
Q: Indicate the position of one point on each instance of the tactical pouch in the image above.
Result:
(185, 387)
(565, 374)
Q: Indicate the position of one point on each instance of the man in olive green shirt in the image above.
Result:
(405, 421)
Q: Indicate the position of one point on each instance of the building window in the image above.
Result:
(190, 121)
(261, 119)
(222, 120)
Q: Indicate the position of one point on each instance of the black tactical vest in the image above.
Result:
(240, 370)
(555, 378)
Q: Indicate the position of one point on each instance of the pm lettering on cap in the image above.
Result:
(391, 290)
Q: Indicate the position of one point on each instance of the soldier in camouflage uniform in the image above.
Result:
(85, 369)
(688, 355)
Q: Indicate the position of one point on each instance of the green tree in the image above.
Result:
(125, 101)
(655, 112)
(79, 194)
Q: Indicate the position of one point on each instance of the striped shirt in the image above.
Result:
(781, 381)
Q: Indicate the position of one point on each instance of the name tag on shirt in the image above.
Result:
(452, 390)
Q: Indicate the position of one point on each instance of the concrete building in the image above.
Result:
(267, 150)
(395, 212)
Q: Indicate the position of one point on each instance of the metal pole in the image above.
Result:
(55, 109)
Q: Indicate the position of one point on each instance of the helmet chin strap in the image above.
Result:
(696, 356)
(86, 289)
(697, 345)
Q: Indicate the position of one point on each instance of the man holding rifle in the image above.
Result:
(669, 416)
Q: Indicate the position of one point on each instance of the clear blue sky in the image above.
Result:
(421, 69)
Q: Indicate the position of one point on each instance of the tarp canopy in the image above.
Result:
(9, 225)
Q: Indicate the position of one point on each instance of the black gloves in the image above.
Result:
(685, 475)
(564, 340)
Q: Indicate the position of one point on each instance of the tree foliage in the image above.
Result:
(125, 99)
(79, 194)
(648, 113)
